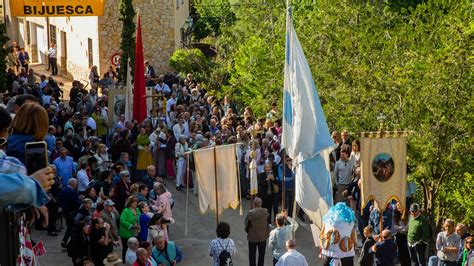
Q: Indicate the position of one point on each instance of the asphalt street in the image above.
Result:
(201, 230)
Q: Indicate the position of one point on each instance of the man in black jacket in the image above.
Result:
(70, 202)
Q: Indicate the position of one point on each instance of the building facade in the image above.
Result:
(83, 42)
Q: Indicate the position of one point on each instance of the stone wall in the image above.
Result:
(77, 72)
(158, 32)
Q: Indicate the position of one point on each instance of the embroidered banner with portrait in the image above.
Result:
(383, 170)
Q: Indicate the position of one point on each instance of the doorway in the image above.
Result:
(42, 46)
(63, 51)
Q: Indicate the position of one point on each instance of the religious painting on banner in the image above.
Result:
(117, 104)
(383, 170)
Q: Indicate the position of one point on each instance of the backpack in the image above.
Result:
(225, 259)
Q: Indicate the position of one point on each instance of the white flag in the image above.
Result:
(305, 136)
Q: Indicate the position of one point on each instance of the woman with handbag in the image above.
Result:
(268, 190)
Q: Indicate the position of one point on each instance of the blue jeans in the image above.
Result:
(433, 261)
(417, 254)
(274, 261)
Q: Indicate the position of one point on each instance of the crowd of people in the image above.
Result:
(107, 181)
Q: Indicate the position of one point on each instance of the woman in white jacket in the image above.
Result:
(103, 160)
(180, 149)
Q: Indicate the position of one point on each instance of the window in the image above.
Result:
(90, 52)
(52, 34)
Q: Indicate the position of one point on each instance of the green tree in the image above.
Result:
(3, 55)
(191, 61)
(253, 54)
(411, 63)
(210, 16)
(127, 43)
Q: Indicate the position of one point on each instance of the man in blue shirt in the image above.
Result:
(50, 138)
(65, 166)
(385, 250)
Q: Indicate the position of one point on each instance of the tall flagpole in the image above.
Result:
(283, 181)
(238, 181)
(215, 182)
(289, 20)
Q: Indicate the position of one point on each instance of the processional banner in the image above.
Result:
(383, 170)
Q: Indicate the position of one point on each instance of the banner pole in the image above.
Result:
(283, 206)
(239, 187)
(187, 198)
(216, 190)
(380, 220)
(293, 216)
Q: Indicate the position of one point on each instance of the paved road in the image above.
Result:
(201, 230)
(40, 69)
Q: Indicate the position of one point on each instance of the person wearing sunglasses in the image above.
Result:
(418, 235)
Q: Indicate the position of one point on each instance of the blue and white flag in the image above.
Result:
(306, 136)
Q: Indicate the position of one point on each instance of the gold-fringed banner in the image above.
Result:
(383, 170)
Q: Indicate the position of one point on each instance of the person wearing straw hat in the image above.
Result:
(112, 259)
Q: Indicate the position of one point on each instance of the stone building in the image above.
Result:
(86, 41)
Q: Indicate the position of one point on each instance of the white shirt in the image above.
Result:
(170, 102)
(292, 258)
(82, 180)
(186, 129)
(130, 256)
(154, 138)
(178, 131)
(165, 88)
(52, 52)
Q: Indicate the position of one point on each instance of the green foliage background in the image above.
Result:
(191, 61)
(127, 44)
(411, 62)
